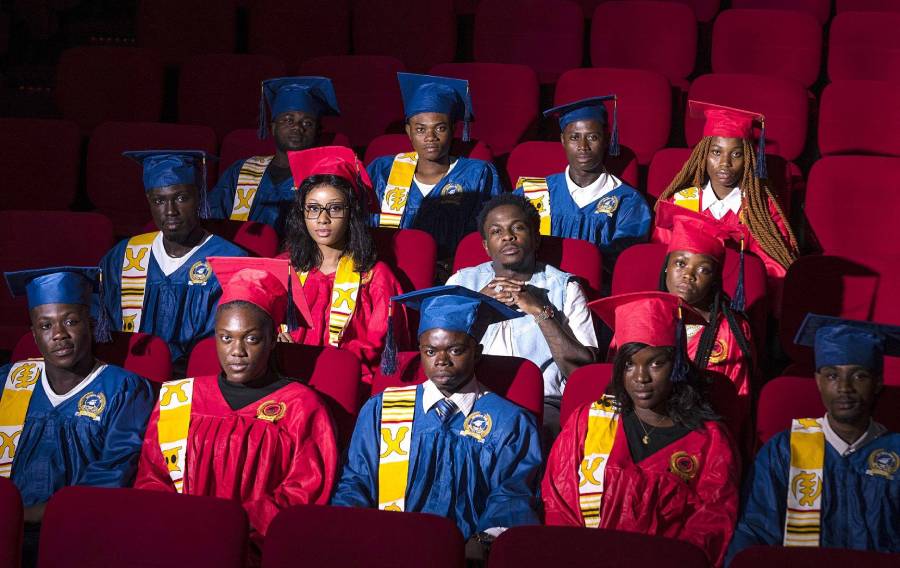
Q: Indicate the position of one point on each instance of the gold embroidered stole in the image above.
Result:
(398, 408)
(172, 427)
(802, 523)
(134, 280)
(17, 391)
(344, 294)
(247, 185)
(537, 192)
(689, 198)
(603, 421)
(396, 192)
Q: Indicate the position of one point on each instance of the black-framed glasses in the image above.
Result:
(335, 210)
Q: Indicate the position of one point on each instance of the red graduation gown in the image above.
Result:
(726, 357)
(648, 497)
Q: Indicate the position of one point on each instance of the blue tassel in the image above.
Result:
(465, 134)
(680, 365)
(762, 170)
(739, 300)
(614, 136)
(291, 317)
(205, 211)
(262, 130)
(103, 329)
(389, 355)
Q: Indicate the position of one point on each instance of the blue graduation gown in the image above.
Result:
(479, 485)
(175, 309)
(57, 448)
(450, 210)
(859, 510)
(270, 206)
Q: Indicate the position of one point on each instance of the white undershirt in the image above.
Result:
(843, 448)
(464, 399)
(586, 195)
(169, 264)
(57, 399)
(426, 188)
(719, 207)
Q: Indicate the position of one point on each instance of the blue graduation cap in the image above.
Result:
(840, 341)
(430, 93)
(174, 167)
(313, 95)
(60, 285)
(591, 108)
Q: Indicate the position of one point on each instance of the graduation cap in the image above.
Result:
(334, 160)
(839, 341)
(312, 95)
(656, 319)
(163, 168)
(265, 283)
(452, 308)
(589, 109)
(444, 95)
(61, 285)
(729, 122)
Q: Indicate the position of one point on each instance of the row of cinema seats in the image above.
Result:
(87, 527)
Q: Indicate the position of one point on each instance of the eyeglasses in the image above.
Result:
(335, 211)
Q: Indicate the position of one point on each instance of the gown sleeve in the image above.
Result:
(358, 484)
(221, 198)
(491, 184)
(111, 297)
(559, 489)
(152, 471)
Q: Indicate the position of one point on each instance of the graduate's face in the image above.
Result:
(245, 338)
(431, 134)
(448, 358)
(848, 392)
(585, 145)
(295, 130)
(511, 239)
(175, 210)
(62, 333)
(691, 277)
(647, 378)
(325, 230)
(725, 163)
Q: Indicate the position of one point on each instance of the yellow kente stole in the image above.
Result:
(134, 279)
(17, 391)
(172, 428)
(802, 522)
(247, 183)
(537, 192)
(398, 408)
(343, 298)
(598, 443)
(396, 192)
(689, 198)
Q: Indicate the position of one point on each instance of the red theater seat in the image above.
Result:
(320, 534)
(25, 146)
(304, 28)
(780, 43)
(860, 117)
(812, 557)
(92, 526)
(10, 524)
(867, 6)
(392, 144)
(410, 253)
(819, 9)
(541, 159)
(258, 239)
(382, 27)
(178, 29)
(863, 45)
(546, 35)
(242, 143)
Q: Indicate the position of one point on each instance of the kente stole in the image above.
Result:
(17, 391)
(398, 408)
(802, 523)
(134, 279)
(247, 184)
(537, 192)
(172, 427)
(603, 421)
(689, 198)
(343, 298)
(396, 192)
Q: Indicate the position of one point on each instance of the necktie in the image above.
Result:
(445, 409)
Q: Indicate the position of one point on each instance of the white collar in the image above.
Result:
(464, 399)
(57, 399)
(843, 448)
(594, 191)
(719, 207)
(169, 264)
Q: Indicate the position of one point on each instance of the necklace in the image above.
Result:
(646, 438)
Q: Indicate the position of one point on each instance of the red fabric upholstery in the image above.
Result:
(659, 36)
(504, 101)
(546, 35)
(541, 159)
(781, 400)
(367, 92)
(860, 117)
(704, 10)
(410, 253)
(812, 557)
(10, 524)
(320, 534)
(92, 526)
(644, 103)
(381, 27)
(819, 9)
(391, 144)
(887, 310)
(258, 239)
(516, 379)
(575, 256)
(751, 41)
(862, 45)
(114, 182)
(25, 146)
(242, 143)
(178, 29)
(576, 546)
(664, 167)
(141, 353)
(842, 6)
(310, 28)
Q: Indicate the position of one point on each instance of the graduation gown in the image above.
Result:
(231, 454)
(726, 357)
(479, 485)
(175, 309)
(647, 497)
(271, 204)
(58, 448)
(860, 510)
(449, 211)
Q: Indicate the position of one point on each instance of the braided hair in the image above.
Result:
(755, 197)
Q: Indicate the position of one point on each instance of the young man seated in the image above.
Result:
(66, 418)
(832, 480)
(448, 446)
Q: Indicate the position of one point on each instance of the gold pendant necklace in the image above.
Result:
(646, 438)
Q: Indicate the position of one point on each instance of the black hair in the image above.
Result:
(524, 205)
(305, 253)
(687, 404)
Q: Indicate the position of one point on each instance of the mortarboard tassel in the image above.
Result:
(739, 300)
(103, 329)
(291, 318)
(680, 366)
(262, 131)
(389, 355)
(762, 170)
(467, 118)
(614, 136)
(204, 199)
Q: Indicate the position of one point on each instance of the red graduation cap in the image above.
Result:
(338, 161)
(729, 122)
(653, 318)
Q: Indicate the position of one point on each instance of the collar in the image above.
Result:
(601, 186)
(843, 448)
(731, 202)
(464, 399)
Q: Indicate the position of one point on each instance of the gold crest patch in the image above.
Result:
(883, 463)
(719, 352)
(200, 272)
(271, 411)
(607, 205)
(477, 425)
(684, 465)
(91, 405)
